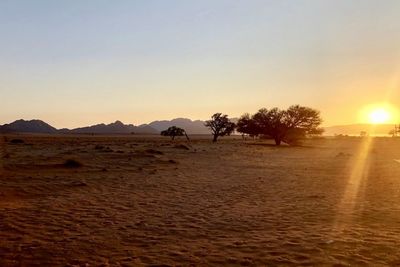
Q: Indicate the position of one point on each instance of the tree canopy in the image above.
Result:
(174, 131)
(220, 125)
(287, 126)
(246, 125)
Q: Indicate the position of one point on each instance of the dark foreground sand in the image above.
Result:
(146, 201)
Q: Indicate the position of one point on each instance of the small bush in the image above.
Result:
(17, 141)
(71, 163)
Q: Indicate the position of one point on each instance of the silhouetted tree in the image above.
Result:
(246, 125)
(288, 125)
(174, 131)
(396, 131)
(220, 125)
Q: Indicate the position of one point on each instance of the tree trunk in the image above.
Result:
(215, 138)
(277, 141)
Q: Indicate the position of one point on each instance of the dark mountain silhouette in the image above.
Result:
(37, 126)
(31, 126)
(155, 127)
(356, 129)
(114, 128)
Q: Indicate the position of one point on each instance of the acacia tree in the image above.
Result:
(246, 125)
(220, 125)
(174, 131)
(288, 125)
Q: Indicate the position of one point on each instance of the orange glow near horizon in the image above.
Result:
(380, 113)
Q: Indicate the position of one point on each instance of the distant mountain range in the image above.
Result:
(38, 126)
(155, 127)
(112, 128)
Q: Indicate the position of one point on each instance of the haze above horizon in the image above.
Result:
(75, 63)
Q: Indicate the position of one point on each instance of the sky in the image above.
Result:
(81, 62)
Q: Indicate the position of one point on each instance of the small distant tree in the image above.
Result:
(220, 125)
(246, 125)
(174, 131)
(396, 131)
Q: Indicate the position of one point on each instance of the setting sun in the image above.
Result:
(379, 113)
(378, 116)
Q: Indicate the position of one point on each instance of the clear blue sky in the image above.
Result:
(80, 62)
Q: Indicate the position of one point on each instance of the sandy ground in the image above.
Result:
(148, 201)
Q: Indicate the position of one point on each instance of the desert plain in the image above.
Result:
(149, 201)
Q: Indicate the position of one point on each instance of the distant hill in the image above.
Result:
(31, 126)
(356, 129)
(114, 128)
(191, 127)
(38, 126)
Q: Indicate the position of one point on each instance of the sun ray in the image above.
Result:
(352, 193)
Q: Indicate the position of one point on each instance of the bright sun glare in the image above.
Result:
(379, 115)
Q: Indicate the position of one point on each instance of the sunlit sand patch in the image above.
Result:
(9, 199)
(352, 194)
(397, 160)
(11, 205)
